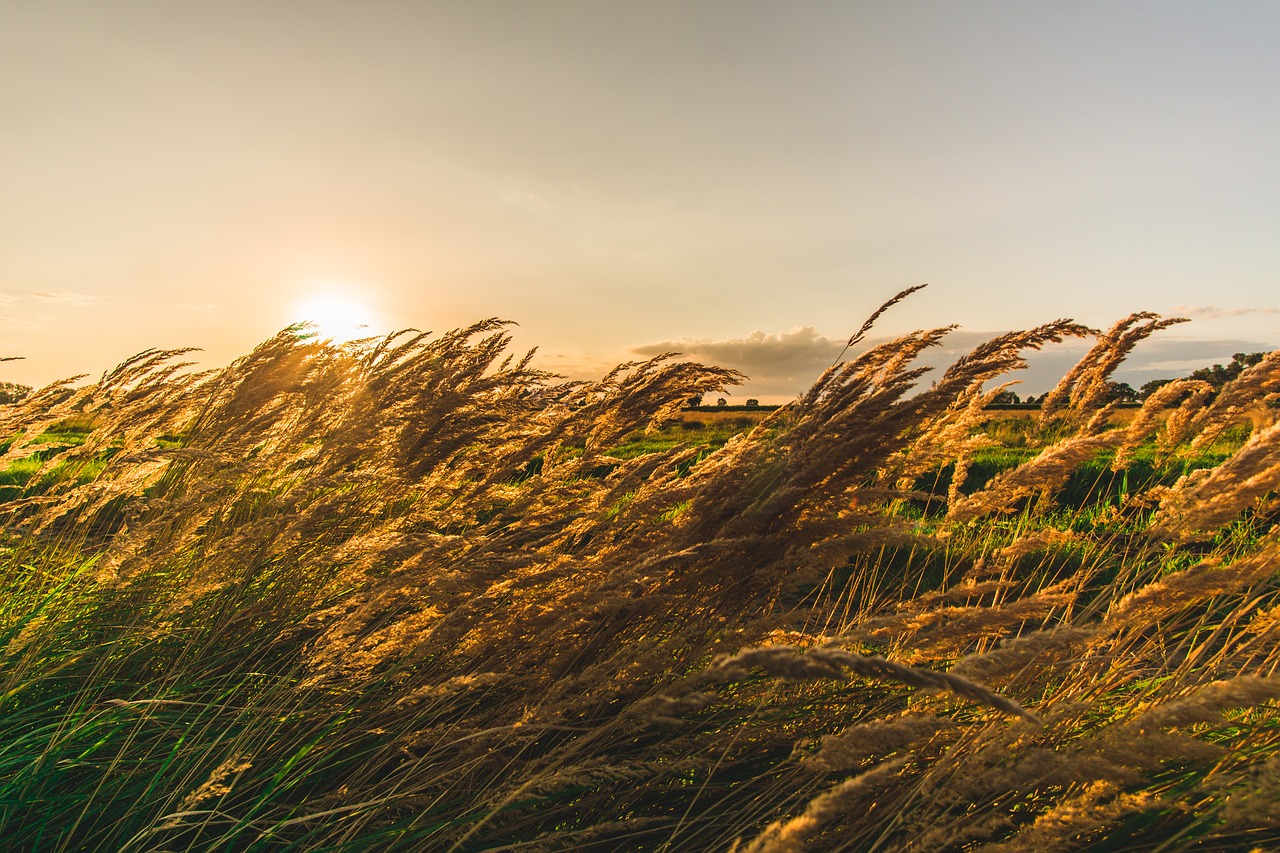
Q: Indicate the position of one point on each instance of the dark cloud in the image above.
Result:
(1163, 358)
(1154, 358)
(783, 365)
(779, 364)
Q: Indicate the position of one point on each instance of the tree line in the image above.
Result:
(1216, 375)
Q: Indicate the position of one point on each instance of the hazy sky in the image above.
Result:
(744, 180)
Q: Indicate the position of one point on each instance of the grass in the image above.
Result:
(413, 593)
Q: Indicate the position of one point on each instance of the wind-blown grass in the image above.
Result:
(413, 593)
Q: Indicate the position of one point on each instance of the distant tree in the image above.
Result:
(722, 402)
(1219, 375)
(1149, 388)
(1005, 398)
(12, 392)
(1120, 392)
(1216, 375)
(695, 401)
(753, 403)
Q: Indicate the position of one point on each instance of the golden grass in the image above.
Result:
(401, 594)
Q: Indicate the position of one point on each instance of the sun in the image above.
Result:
(337, 317)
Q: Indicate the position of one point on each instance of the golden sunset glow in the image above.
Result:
(337, 316)
(737, 182)
(689, 426)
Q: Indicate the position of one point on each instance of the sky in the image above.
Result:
(741, 181)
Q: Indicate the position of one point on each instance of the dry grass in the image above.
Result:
(405, 594)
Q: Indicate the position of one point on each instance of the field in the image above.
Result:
(414, 594)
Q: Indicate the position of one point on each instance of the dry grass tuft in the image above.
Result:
(414, 593)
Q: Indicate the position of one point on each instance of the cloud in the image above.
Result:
(1157, 357)
(784, 363)
(1213, 312)
(65, 297)
(1177, 357)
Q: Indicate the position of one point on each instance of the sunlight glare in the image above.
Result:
(337, 318)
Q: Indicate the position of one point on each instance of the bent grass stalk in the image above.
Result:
(413, 593)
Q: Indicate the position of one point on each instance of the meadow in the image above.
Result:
(414, 594)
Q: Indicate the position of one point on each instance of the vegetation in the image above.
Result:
(412, 593)
(1216, 376)
(12, 392)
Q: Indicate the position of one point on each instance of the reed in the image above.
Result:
(409, 593)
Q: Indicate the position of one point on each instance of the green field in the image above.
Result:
(415, 594)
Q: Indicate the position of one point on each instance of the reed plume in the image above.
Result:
(415, 592)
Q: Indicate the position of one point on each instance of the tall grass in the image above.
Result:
(413, 593)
